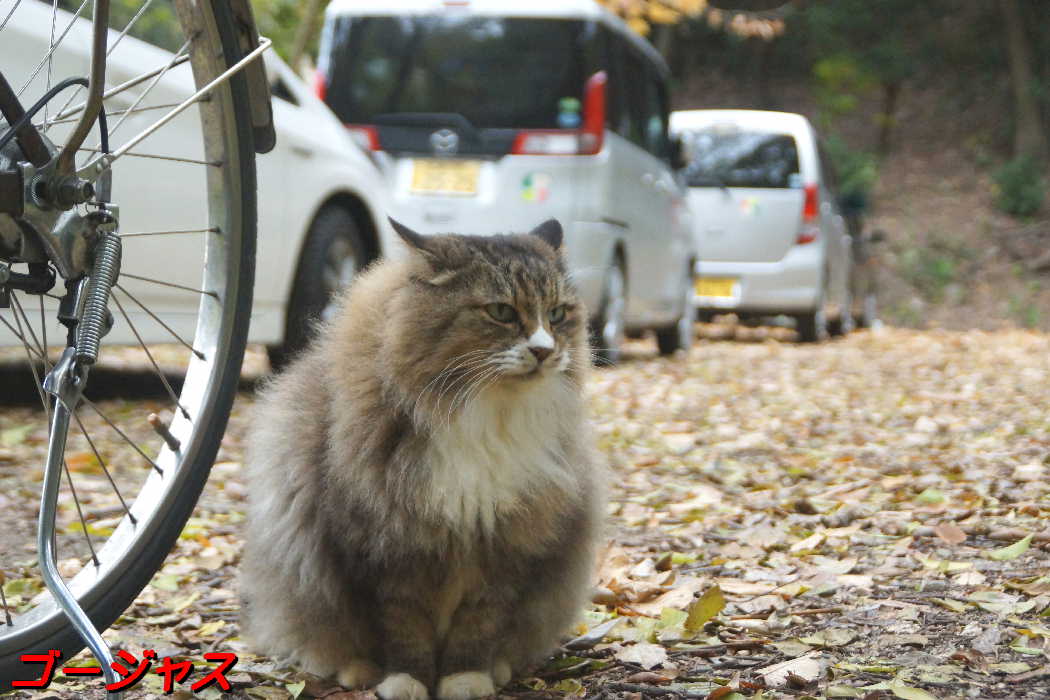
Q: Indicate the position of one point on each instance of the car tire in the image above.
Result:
(680, 335)
(334, 252)
(607, 330)
(812, 327)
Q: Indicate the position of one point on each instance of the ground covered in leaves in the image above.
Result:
(864, 518)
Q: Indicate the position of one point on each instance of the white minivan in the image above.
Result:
(492, 115)
(770, 232)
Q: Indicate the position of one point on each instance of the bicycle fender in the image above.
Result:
(255, 73)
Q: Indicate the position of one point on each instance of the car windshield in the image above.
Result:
(721, 157)
(497, 72)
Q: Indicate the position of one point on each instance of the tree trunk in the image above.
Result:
(304, 32)
(888, 118)
(1029, 137)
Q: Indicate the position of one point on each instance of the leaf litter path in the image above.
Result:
(864, 518)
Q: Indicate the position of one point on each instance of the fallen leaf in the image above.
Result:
(950, 533)
(646, 655)
(593, 636)
(1013, 551)
(704, 608)
(807, 667)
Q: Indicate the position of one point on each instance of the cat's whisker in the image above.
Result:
(471, 377)
(480, 384)
(466, 360)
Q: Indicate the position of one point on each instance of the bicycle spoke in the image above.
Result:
(54, 15)
(149, 88)
(41, 351)
(169, 284)
(109, 52)
(80, 512)
(54, 45)
(8, 15)
(199, 355)
(160, 157)
(105, 468)
(156, 367)
(16, 333)
(112, 92)
(167, 233)
(105, 161)
(71, 120)
(103, 416)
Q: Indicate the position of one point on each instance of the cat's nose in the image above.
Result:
(540, 353)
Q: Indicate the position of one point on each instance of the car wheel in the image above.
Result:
(333, 254)
(812, 327)
(680, 335)
(607, 332)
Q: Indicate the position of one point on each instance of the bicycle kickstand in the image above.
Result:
(65, 382)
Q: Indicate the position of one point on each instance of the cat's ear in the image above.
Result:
(414, 240)
(429, 249)
(549, 231)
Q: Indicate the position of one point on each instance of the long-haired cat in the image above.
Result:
(423, 502)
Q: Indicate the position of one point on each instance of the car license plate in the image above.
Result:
(715, 286)
(445, 176)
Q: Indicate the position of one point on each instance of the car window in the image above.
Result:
(497, 72)
(720, 155)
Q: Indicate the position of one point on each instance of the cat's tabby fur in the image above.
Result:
(423, 503)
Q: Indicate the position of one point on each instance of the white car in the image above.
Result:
(321, 201)
(770, 233)
(493, 115)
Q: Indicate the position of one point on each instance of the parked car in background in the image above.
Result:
(771, 236)
(322, 212)
(493, 115)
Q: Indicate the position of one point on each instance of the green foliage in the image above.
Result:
(839, 81)
(280, 20)
(1021, 186)
(857, 169)
(933, 267)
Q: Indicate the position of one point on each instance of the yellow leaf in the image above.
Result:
(1013, 551)
(704, 608)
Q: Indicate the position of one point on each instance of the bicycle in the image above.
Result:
(96, 259)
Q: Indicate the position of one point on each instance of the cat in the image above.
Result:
(424, 502)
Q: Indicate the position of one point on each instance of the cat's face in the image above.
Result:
(491, 310)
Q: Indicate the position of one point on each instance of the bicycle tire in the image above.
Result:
(126, 576)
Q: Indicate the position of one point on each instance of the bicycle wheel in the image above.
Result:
(186, 196)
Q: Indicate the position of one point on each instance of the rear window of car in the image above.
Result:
(497, 72)
(720, 156)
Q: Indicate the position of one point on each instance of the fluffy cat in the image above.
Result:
(424, 504)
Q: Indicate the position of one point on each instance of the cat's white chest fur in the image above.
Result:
(502, 446)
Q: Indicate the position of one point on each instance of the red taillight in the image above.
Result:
(320, 84)
(570, 142)
(594, 113)
(810, 209)
(365, 135)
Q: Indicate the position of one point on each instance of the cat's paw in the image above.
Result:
(501, 673)
(466, 686)
(401, 686)
(359, 673)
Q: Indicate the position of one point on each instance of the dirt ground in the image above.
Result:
(868, 517)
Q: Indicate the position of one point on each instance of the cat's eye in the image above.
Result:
(504, 313)
(557, 314)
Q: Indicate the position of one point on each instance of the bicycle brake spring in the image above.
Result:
(93, 321)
